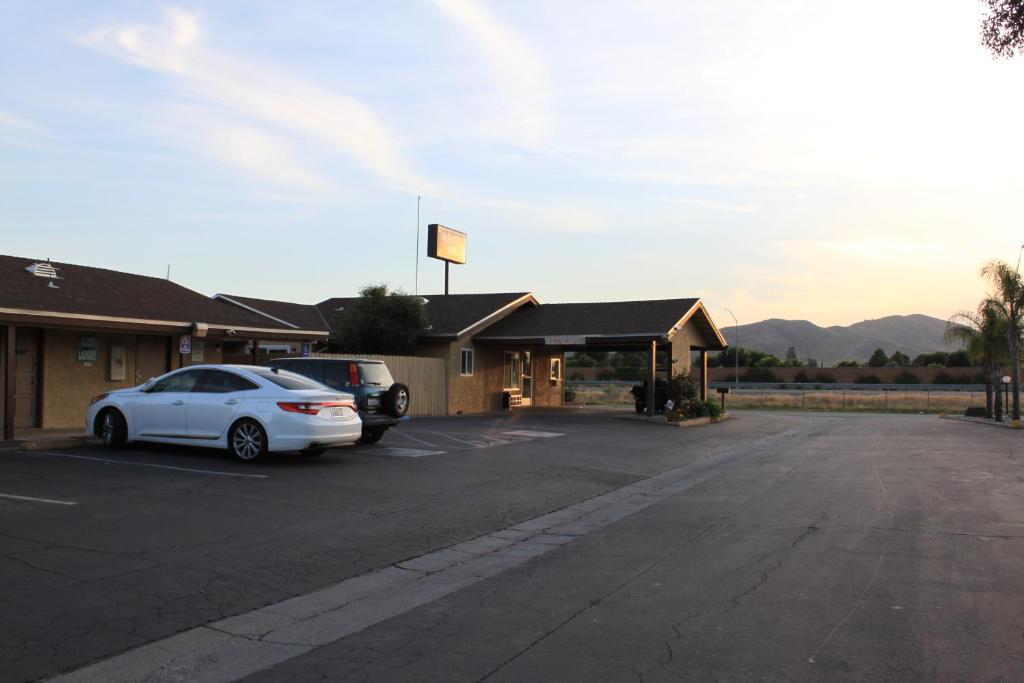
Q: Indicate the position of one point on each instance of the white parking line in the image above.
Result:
(147, 464)
(401, 452)
(474, 444)
(37, 500)
(532, 434)
(414, 438)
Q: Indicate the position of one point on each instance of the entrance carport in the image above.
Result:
(682, 326)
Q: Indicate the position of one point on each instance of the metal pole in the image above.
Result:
(417, 282)
(446, 278)
(736, 334)
(8, 383)
(652, 368)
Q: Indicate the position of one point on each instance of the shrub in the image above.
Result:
(801, 378)
(570, 395)
(713, 408)
(907, 377)
(867, 379)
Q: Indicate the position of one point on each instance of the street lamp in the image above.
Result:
(736, 335)
(1006, 394)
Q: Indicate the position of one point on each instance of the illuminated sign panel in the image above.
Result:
(446, 244)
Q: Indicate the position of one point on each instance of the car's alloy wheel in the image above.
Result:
(107, 429)
(402, 401)
(247, 442)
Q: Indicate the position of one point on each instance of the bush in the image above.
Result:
(801, 378)
(570, 395)
(867, 379)
(759, 375)
(713, 408)
(907, 377)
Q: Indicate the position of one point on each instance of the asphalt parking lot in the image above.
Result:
(543, 546)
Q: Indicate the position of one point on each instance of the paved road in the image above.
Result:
(538, 547)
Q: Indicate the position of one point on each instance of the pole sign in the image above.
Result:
(185, 344)
(446, 244)
(305, 349)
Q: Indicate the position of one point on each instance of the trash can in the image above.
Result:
(506, 400)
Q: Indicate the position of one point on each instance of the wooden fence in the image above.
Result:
(427, 379)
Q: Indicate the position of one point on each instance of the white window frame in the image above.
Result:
(556, 364)
(467, 353)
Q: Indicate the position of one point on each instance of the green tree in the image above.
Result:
(580, 360)
(983, 333)
(878, 359)
(1007, 299)
(1002, 30)
(848, 364)
(381, 321)
(958, 359)
(925, 360)
(791, 360)
(899, 359)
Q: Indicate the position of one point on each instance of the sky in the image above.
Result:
(811, 159)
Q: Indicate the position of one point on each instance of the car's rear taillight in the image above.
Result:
(96, 399)
(314, 408)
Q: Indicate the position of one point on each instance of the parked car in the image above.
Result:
(249, 410)
(382, 401)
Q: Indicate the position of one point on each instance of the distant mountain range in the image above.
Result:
(910, 334)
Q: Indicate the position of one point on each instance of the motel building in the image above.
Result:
(70, 332)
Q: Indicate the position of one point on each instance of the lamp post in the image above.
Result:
(736, 334)
(1006, 393)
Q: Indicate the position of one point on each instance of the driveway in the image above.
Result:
(530, 547)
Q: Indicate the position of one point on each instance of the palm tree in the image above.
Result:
(983, 335)
(1007, 298)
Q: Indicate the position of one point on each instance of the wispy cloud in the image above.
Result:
(519, 75)
(19, 132)
(704, 204)
(261, 97)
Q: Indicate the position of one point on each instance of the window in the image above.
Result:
(220, 382)
(336, 375)
(178, 382)
(287, 380)
(556, 369)
(467, 362)
(513, 370)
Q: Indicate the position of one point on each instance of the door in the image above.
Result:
(214, 402)
(162, 410)
(26, 375)
(527, 378)
(150, 357)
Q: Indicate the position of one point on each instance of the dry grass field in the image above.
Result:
(868, 400)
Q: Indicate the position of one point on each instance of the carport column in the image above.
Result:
(651, 367)
(703, 375)
(255, 351)
(8, 388)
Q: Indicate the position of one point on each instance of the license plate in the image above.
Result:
(337, 412)
(373, 402)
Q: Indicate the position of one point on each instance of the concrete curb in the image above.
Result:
(981, 421)
(681, 424)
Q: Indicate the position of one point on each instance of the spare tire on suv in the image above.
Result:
(396, 400)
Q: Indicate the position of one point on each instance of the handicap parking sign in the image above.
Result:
(305, 349)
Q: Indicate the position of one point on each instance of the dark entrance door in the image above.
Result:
(26, 375)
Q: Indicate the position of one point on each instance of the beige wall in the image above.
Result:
(69, 385)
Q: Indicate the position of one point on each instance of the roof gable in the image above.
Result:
(298, 316)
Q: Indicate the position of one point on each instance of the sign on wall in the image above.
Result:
(117, 362)
(185, 344)
(566, 340)
(306, 349)
(87, 350)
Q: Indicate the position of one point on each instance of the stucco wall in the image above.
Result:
(69, 385)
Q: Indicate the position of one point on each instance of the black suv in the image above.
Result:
(382, 401)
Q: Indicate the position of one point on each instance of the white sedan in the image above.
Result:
(249, 410)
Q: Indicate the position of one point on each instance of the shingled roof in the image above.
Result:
(298, 316)
(615, 319)
(453, 314)
(84, 290)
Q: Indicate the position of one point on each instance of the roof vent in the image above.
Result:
(424, 300)
(52, 285)
(42, 269)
